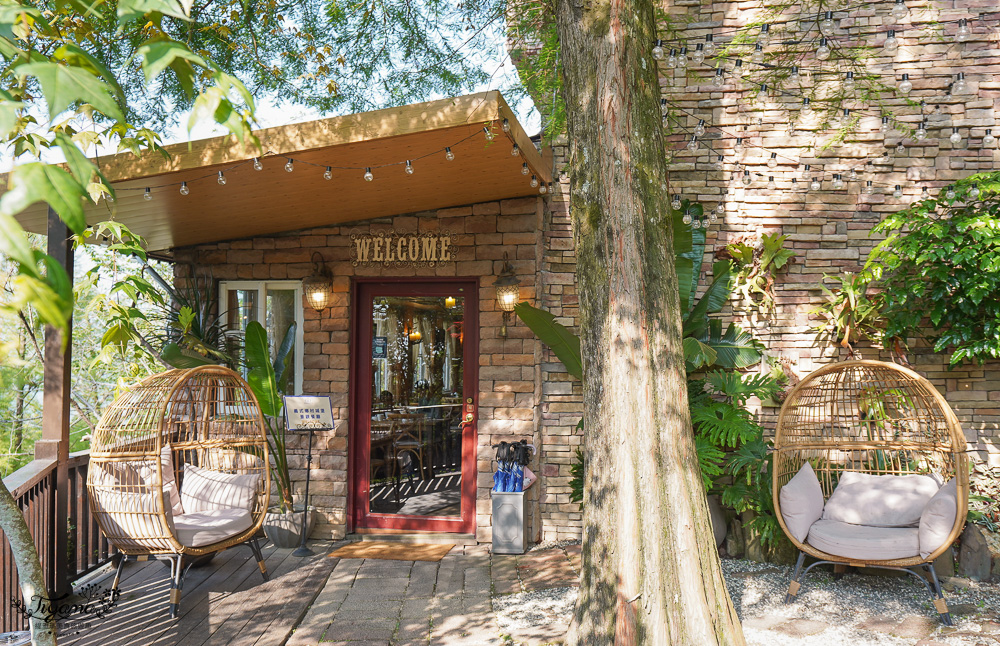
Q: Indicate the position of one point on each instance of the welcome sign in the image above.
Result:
(398, 249)
(307, 412)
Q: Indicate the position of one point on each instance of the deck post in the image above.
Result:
(54, 443)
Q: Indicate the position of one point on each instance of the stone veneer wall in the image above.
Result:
(829, 230)
(515, 400)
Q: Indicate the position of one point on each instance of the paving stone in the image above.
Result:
(801, 627)
(767, 622)
(990, 628)
(963, 608)
(879, 625)
(916, 627)
(371, 629)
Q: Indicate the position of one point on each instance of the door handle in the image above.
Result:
(469, 419)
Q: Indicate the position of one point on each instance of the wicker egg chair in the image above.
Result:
(178, 470)
(875, 418)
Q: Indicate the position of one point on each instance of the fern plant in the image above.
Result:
(756, 264)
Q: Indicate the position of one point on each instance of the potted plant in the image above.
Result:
(268, 379)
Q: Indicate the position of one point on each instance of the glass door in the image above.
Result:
(414, 442)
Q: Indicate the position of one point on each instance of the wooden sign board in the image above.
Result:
(304, 412)
(401, 249)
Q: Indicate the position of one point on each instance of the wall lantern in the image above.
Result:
(415, 336)
(319, 287)
(508, 292)
(449, 302)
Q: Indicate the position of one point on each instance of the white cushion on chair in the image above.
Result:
(862, 542)
(212, 526)
(938, 518)
(880, 501)
(204, 490)
(801, 502)
(170, 490)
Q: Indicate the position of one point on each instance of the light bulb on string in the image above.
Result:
(925, 194)
(505, 124)
(885, 127)
(838, 182)
(921, 132)
(869, 189)
(905, 86)
(826, 23)
(709, 48)
(550, 188)
(672, 58)
(897, 192)
(328, 173)
(758, 54)
(675, 202)
(738, 70)
(184, 190)
(852, 175)
(515, 151)
(693, 144)
(257, 165)
(950, 193)
(533, 182)
(524, 168)
(806, 109)
(959, 86)
(682, 57)
(718, 81)
(823, 51)
(747, 180)
(368, 175)
(658, 50)
(699, 130)
(772, 160)
(955, 137)
(988, 138)
(974, 192)
(964, 33)
(698, 57)
(696, 224)
(147, 195)
(739, 144)
(805, 171)
(900, 148)
(770, 183)
(795, 184)
(886, 157)
(815, 184)
(488, 133)
(289, 165)
(719, 163)
(793, 75)
(542, 189)
(408, 169)
(891, 44)
(899, 10)
(765, 35)
(849, 83)
(686, 218)
(450, 156)
(222, 178)
(720, 208)
(663, 107)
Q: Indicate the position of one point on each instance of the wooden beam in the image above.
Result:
(54, 443)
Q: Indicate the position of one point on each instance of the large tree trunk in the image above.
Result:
(651, 573)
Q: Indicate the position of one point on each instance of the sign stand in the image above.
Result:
(308, 414)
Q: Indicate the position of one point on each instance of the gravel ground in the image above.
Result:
(758, 591)
(537, 608)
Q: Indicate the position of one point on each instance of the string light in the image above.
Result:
(869, 189)
(747, 180)
(805, 171)
(692, 145)
(289, 165)
(959, 86)
(765, 35)
(793, 76)
(897, 192)
(823, 51)
(328, 173)
(658, 50)
(718, 81)
(506, 125)
(699, 130)
(905, 86)
(891, 44)
(515, 151)
(815, 184)
(184, 190)
(838, 182)
(900, 148)
(720, 208)
(974, 191)
(146, 195)
(921, 132)
(524, 168)
(534, 181)
(770, 183)
(988, 138)
(758, 54)
(222, 178)
(899, 10)
(686, 218)
(698, 57)
(541, 189)
(885, 127)
(550, 188)
(450, 156)
(682, 59)
(852, 176)
(925, 194)
(849, 83)
(696, 224)
(955, 137)
(408, 169)
(675, 202)
(488, 133)
(950, 193)
(257, 165)
(773, 160)
(826, 25)
(672, 58)
(720, 162)
(709, 45)
(964, 33)
(368, 175)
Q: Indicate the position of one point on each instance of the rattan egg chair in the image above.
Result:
(880, 419)
(178, 470)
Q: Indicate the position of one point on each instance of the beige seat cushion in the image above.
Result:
(801, 502)
(204, 490)
(880, 501)
(862, 542)
(170, 491)
(207, 527)
(938, 518)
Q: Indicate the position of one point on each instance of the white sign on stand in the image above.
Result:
(308, 412)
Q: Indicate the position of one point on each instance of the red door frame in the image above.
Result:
(359, 393)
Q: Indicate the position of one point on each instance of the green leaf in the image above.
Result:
(689, 249)
(160, 53)
(261, 377)
(14, 243)
(38, 182)
(283, 355)
(558, 337)
(132, 9)
(64, 85)
(697, 354)
(178, 358)
(736, 348)
(712, 301)
(80, 58)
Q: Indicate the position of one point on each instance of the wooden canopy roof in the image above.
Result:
(272, 200)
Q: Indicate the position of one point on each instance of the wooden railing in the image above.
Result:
(34, 489)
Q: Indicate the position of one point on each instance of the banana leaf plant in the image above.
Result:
(268, 379)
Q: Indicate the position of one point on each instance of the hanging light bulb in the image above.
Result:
(806, 107)
(450, 156)
(534, 181)
(823, 51)
(899, 10)
(897, 192)
(675, 202)
(959, 86)
(696, 224)
(974, 192)
(885, 127)
(964, 33)
(682, 57)
(950, 193)
(719, 163)
(542, 189)
(852, 176)
(905, 86)
(869, 189)
(146, 195)
(718, 81)
(739, 143)
(328, 173)
(988, 138)
(505, 124)
(699, 54)
(184, 188)
(699, 130)
(408, 169)
(257, 165)
(672, 59)
(886, 157)
(720, 208)
(921, 132)
(826, 23)
(758, 54)
(925, 194)
(793, 76)
(515, 151)
(738, 70)
(368, 175)
(747, 180)
(686, 218)
(772, 160)
(815, 184)
(849, 83)
(709, 45)
(488, 133)
(891, 44)
(693, 144)
(770, 183)
(838, 182)
(524, 168)
(900, 148)
(805, 171)
(222, 178)
(846, 118)
(955, 137)
(765, 35)
(289, 165)
(658, 50)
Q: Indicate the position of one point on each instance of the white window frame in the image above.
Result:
(261, 287)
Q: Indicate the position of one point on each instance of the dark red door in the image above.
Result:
(414, 389)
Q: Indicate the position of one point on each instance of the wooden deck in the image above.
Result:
(225, 601)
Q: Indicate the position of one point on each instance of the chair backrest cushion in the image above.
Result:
(938, 518)
(801, 502)
(880, 500)
(170, 490)
(203, 490)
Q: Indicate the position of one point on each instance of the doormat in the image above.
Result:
(392, 551)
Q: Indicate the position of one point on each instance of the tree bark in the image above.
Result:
(651, 572)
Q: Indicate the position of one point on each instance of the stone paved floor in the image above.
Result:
(370, 602)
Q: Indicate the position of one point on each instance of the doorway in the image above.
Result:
(414, 391)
